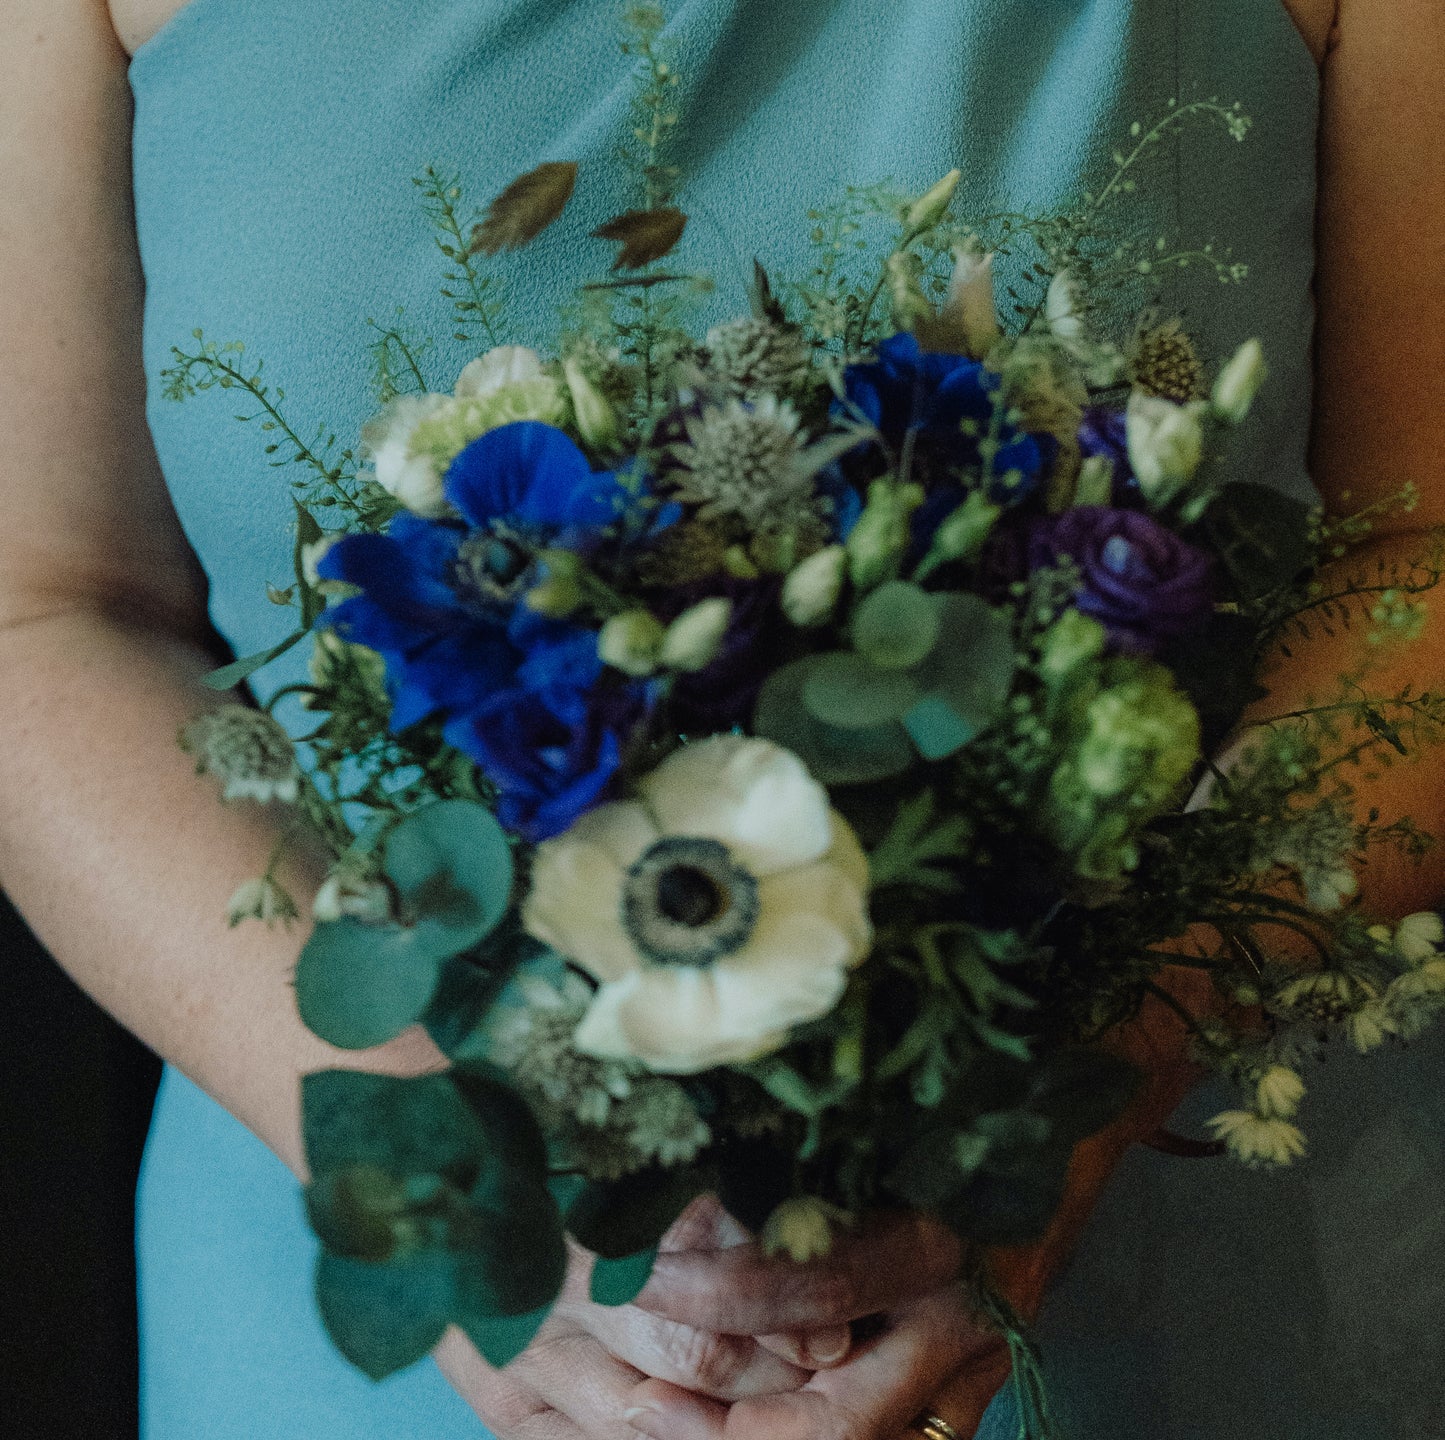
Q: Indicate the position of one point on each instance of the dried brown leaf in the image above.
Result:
(645, 235)
(525, 208)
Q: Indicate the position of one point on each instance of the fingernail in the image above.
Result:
(643, 1417)
(828, 1347)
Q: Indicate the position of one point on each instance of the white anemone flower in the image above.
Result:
(719, 910)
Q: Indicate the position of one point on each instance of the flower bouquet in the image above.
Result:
(763, 758)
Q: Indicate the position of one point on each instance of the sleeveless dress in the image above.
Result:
(275, 141)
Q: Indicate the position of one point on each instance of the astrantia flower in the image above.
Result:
(750, 358)
(1142, 581)
(1326, 995)
(1258, 1140)
(720, 909)
(1279, 1092)
(247, 751)
(616, 1116)
(1371, 1025)
(936, 396)
(1419, 938)
(745, 462)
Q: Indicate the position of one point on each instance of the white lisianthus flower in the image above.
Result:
(723, 907)
(1258, 1139)
(505, 365)
(1279, 1092)
(413, 478)
(1166, 444)
(1419, 938)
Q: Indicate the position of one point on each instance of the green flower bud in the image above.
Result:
(811, 591)
(597, 422)
(931, 207)
(962, 534)
(1239, 383)
(802, 1229)
(559, 591)
(693, 640)
(262, 900)
(1072, 640)
(631, 642)
(881, 536)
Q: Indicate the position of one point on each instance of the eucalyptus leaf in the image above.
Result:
(834, 755)
(385, 1317)
(418, 1126)
(361, 985)
(452, 863)
(849, 692)
(501, 1338)
(896, 625)
(515, 1252)
(972, 666)
(618, 1218)
(620, 1282)
(937, 729)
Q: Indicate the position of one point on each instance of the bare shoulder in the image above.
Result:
(1315, 20)
(137, 21)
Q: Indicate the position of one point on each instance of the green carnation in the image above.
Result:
(442, 436)
(1135, 742)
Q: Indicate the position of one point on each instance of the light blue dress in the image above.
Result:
(275, 141)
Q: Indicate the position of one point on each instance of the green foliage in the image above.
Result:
(359, 985)
(1264, 537)
(431, 1199)
(475, 304)
(620, 1282)
(616, 1219)
(922, 848)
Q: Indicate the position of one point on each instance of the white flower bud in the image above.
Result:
(498, 368)
(811, 591)
(1166, 444)
(631, 642)
(262, 900)
(595, 416)
(1062, 310)
(1096, 481)
(971, 304)
(559, 592)
(415, 480)
(346, 895)
(1279, 1092)
(693, 640)
(1239, 383)
(930, 208)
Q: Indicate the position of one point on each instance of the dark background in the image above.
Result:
(75, 1100)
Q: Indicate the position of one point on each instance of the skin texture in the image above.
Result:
(123, 861)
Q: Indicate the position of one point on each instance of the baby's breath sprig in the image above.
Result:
(219, 366)
(475, 302)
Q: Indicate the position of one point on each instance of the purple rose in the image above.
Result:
(1141, 581)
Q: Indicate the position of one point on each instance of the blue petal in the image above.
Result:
(526, 471)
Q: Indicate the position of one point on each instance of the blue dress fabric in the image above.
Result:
(275, 141)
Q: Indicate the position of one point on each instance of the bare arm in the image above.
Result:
(118, 855)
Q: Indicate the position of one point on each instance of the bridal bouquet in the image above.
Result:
(762, 758)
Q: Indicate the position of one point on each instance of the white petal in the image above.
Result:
(755, 797)
(824, 892)
(794, 969)
(623, 830)
(505, 365)
(847, 854)
(575, 906)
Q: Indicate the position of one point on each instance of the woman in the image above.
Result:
(272, 143)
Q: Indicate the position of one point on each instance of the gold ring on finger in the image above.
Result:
(932, 1428)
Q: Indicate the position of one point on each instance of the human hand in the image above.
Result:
(575, 1381)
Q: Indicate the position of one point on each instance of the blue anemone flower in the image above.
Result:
(441, 602)
(909, 389)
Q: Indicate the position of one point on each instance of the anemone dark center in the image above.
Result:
(686, 901)
(491, 564)
(689, 896)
